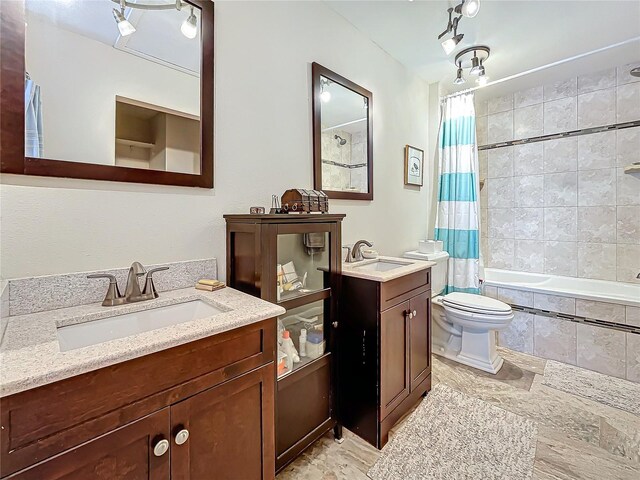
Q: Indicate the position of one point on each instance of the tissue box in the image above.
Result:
(430, 246)
(315, 350)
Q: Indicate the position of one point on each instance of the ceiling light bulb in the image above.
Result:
(325, 96)
(124, 26)
(482, 80)
(459, 78)
(475, 65)
(470, 8)
(189, 27)
(450, 44)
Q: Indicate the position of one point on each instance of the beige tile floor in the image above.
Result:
(577, 438)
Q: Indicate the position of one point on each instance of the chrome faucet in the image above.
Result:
(132, 291)
(356, 251)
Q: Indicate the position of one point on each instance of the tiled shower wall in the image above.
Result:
(352, 153)
(565, 206)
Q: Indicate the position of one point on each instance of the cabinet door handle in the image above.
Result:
(407, 313)
(182, 436)
(161, 447)
(415, 314)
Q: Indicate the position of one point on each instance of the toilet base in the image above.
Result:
(474, 348)
(489, 367)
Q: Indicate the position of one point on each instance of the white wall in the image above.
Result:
(79, 79)
(263, 146)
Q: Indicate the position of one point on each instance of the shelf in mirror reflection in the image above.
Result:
(134, 143)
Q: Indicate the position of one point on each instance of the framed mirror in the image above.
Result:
(118, 90)
(342, 136)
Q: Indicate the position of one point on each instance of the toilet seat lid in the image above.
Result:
(478, 303)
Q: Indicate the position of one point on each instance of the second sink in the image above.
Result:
(381, 266)
(84, 334)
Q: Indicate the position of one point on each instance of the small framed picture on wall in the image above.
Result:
(413, 165)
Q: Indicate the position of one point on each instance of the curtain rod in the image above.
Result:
(543, 67)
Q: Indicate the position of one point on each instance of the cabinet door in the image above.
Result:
(420, 338)
(123, 454)
(394, 357)
(230, 431)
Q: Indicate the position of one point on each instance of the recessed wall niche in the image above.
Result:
(156, 138)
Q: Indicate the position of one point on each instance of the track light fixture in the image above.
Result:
(189, 27)
(475, 65)
(124, 26)
(449, 44)
(468, 8)
(325, 95)
(459, 78)
(482, 78)
(472, 58)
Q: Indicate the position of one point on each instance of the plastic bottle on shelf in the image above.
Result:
(303, 342)
(290, 349)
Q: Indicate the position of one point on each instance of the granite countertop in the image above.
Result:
(30, 355)
(410, 266)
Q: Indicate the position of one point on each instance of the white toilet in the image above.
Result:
(464, 325)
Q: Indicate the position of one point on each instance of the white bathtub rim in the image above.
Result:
(564, 292)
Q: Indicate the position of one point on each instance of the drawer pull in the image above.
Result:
(182, 436)
(161, 447)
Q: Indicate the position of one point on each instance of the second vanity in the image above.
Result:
(184, 401)
(384, 343)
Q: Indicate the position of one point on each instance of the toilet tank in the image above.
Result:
(438, 271)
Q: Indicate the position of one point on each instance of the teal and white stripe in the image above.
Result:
(457, 221)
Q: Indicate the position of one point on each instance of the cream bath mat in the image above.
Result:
(453, 436)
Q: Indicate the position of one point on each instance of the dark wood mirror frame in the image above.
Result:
(318, 71)
(12, 159)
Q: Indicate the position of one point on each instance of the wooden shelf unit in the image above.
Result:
(306, 397)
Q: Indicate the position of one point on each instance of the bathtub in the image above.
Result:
(583, 288)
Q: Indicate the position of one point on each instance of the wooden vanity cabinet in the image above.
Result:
(385, 352)
(124, 453)
(108, 424)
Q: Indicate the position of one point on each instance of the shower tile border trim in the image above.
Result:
(577, 319)
(554, 136)
(344, 165)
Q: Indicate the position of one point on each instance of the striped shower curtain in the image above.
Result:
(32, 119)
(457, 221)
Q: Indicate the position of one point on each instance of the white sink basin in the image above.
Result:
(382, 266)
(84, 334)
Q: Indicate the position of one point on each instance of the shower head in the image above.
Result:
(635, 72)
(341, 141)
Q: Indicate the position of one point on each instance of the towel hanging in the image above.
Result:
(314, 242)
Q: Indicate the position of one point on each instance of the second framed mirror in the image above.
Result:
(342, 136)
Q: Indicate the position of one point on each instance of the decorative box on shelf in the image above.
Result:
(305, 201)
